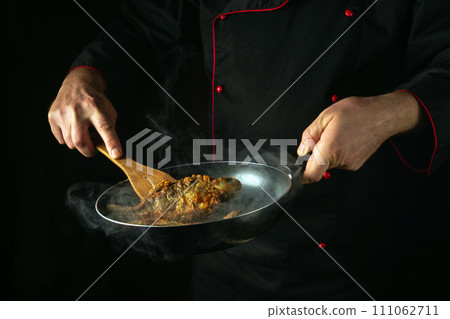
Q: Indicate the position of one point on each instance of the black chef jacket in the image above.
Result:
(253, 50)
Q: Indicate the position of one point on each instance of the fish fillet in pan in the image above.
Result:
(188, 200)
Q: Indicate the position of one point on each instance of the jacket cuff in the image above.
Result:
(428, 162)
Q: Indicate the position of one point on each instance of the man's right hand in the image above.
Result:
(81, 102)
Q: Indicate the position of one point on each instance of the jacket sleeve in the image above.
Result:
(427, 70)
(151, 35)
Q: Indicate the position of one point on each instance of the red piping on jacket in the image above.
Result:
(403, 160)
(90, 67)
(214, 62)
(427, 170)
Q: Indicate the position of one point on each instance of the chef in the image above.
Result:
(363, 83)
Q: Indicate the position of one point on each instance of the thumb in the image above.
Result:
(310, 137)
(316, 165)
(106, 130)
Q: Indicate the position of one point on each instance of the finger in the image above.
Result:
(81, 138)
(316, 166)
(108, 134)
(62, 119)
(66, 132)
(56, 131)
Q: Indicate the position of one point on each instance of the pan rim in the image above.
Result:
(275, 200)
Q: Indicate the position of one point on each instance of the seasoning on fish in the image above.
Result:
(189, 200)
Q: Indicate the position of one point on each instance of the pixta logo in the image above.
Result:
(253, 150)
(143, 146)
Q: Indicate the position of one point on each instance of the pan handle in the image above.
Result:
(295, 170)
(298, 167)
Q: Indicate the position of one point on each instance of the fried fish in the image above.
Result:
(189, 200)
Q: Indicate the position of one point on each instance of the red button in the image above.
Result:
(349, 12)
(219, 88)
(327, 175)
(335, 98)
(223, 16)
(322, 245)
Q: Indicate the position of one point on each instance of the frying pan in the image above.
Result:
(262, 186)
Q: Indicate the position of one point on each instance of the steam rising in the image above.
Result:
(81, 199)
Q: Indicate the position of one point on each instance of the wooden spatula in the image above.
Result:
(137, 174)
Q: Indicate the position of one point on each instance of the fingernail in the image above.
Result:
(301, 150)
(116, 153)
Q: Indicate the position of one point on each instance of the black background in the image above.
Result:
(48, 254)
(51, 256)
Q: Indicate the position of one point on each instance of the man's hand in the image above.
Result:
(81, 103)
(348, 132)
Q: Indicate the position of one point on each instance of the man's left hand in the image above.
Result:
(348, 132)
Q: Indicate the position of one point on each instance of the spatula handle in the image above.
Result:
(122, 161)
